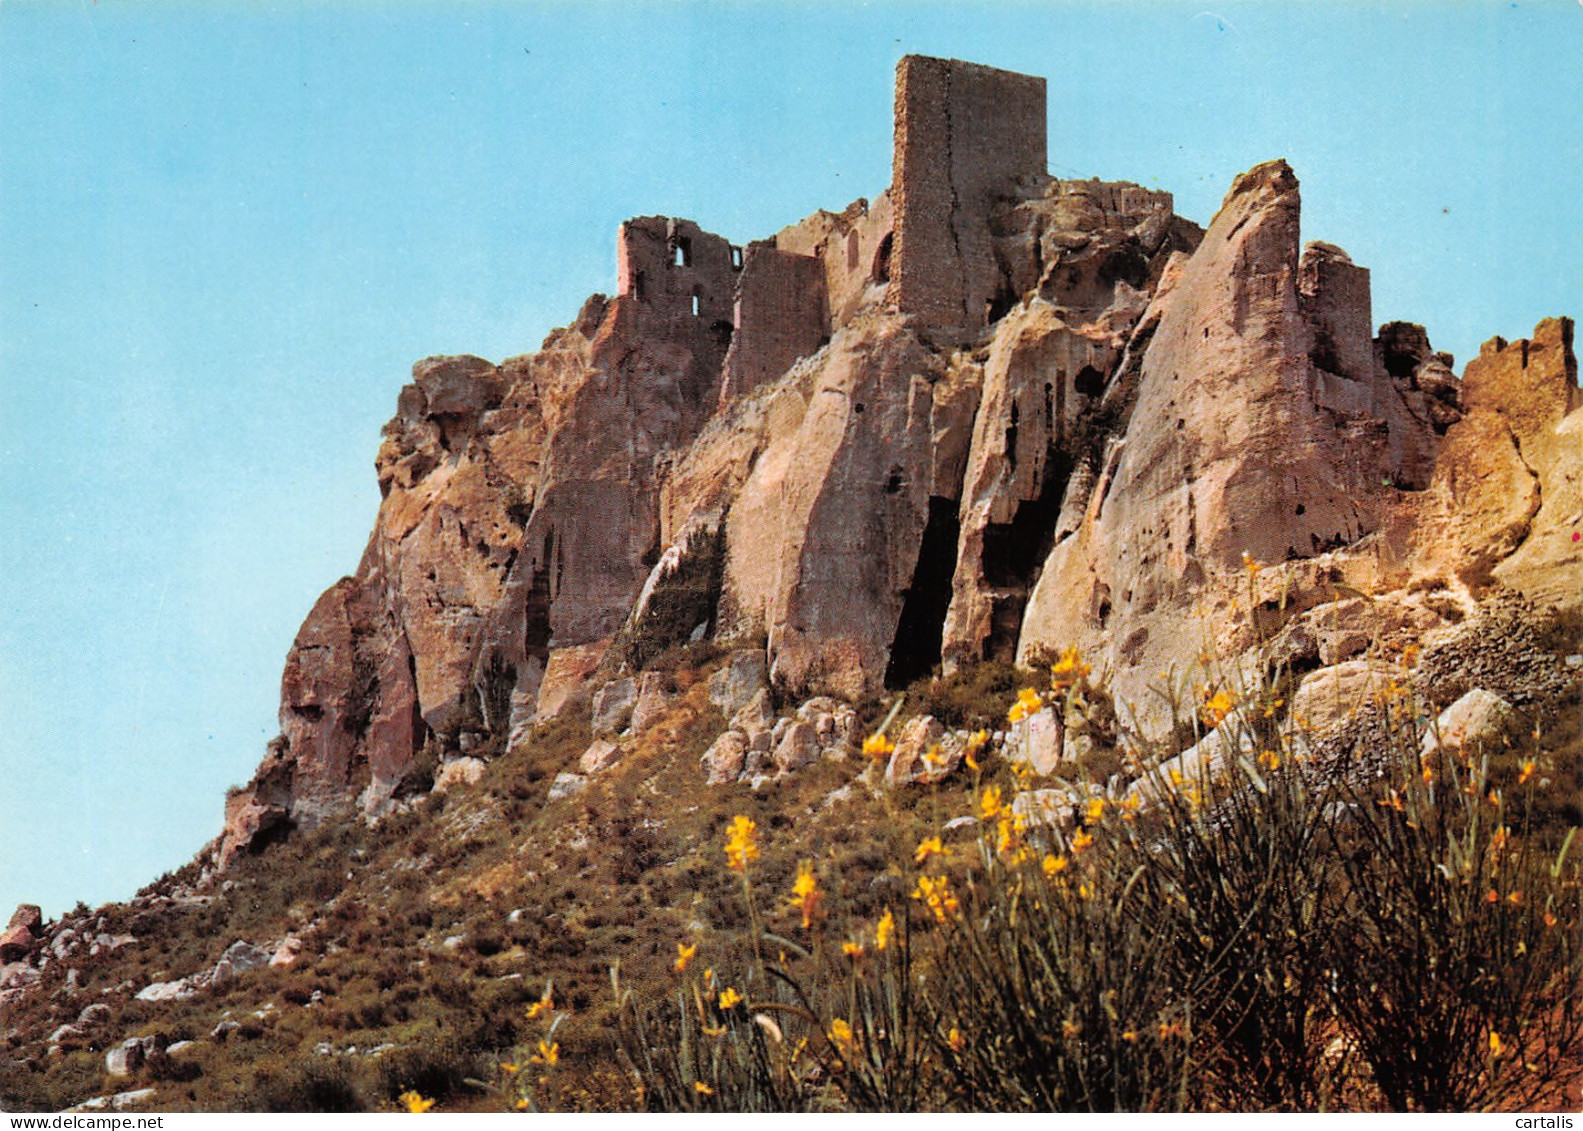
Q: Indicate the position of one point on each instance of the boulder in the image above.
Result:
(243, 956)
(93, 1015)
(1055, 808)
(1207, 761)
(28, 916)
(565, 785)
(16, 943)
(654, 696)
(600, 755)
(67, 1034)
(1480, 720)
(286, 951)
(756, 715)
(798, 746)
(130, 1055)
(734, 686)
(459, 771)
(1038, 741)
(1330, 697)
(613, 705)
(726, 758)
(179, 990)
(924, 753)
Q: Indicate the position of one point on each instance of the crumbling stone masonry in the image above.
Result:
(780, 317)
(964, 135)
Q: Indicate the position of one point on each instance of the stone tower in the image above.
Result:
(964, 134)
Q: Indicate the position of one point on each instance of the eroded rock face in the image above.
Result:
(1261, 427)
(988, 415)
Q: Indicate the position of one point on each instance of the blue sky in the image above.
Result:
(228, 229)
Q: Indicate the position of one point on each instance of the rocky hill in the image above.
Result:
(709, 529)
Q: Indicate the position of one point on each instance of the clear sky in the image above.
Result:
(228, 229)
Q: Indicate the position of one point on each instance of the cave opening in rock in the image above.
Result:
(1014, 553)
(536, 608)
(920, 632)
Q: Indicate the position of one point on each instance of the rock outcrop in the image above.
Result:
(987, 415)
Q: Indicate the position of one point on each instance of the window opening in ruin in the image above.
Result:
(851, 251)
(683, 256)
(697, 305)
(881, 271)
(736, 258)
(1089, 381)
(915, 651)
(637, 286)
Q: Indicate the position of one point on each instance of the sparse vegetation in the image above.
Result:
(1270, 937)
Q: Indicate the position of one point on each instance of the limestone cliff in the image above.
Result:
(987, 415)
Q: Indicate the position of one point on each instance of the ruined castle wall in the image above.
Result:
(964, 135)
(780, 316)
(679, 274)
(854, 248)
(1335, 297)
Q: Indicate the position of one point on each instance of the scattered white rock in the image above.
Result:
(1037, 741)
(1478, 718)
(600, 755)
(459, 771)
(566, 784)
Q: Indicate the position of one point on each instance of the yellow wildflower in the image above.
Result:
(1094, 810)
(684, 955)
(1130, 1035)
(1009, 832)
(1550, 920)
(1053, 865)
(1217, 707)
(1497, 1046)
(741, 843)
(989, 803)
(1392, 802)
(1499, 839)
(1069, 669)
(1429, 775)
(1130, 806)
(1492, 896)
(1084, 891)
(1269, 759)
(508, 1068)
(852, 950)
(1527, 772)
(1271, 707)
(1170, 1029)
(932, 846)
(936, 895)
(878, 747)
(543, 1005)
(702, 1089)
(415, 1103)
(1251, 566)
(1081, 840)
(955, 1039)
(1410, 654)
(549, 1054)
(805, 894)
(729, 998)
(883, 932)
(974, 745)
(841, 1033)
(1514, 897)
